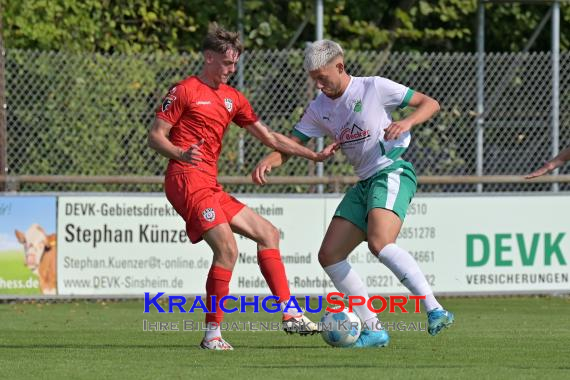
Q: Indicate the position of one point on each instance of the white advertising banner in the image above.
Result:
(493, 244)
(502, 244)
(131, 244)
(126, 245)
(301, 224)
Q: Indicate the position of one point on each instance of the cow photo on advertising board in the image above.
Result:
(28, 248)
(40, 256)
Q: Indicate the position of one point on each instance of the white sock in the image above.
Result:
(213, 331)
(347, 281)
(292, 310)
(372, 324)
(408, 272)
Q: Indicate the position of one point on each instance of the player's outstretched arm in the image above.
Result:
(286, 145)
(278, 158)
(263, 168)
(556, 162)
(158, 140)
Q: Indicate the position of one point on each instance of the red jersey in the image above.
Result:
(198, 111)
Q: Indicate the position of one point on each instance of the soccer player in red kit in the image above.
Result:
(189, 127)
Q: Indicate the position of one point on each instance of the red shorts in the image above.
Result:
(201, 202)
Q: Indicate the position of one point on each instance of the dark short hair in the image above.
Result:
(220, 40)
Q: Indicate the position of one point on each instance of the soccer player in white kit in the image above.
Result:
(356, 112)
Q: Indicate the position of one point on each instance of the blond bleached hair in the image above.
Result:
(320, 53)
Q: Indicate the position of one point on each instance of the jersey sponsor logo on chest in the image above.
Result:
(203, 102)
(352, 134)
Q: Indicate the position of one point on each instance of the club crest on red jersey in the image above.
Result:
(209, 214)
(229, 104)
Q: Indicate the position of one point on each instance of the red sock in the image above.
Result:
(273, 271)
(218, 284)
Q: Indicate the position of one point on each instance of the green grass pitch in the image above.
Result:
(13, 269)
(519, 337)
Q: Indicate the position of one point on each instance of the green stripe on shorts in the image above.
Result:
(391, 188)
(392, 191)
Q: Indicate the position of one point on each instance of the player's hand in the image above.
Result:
(396, 128)
(328, 152)
(546, 168)
(194, 154)
(259, 174)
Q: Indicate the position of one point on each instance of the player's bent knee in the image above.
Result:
(326, 259)
(270, 236)
(226, 258)
(376, 246)
(225, 252)
(275, 234)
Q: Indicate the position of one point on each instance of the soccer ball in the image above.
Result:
(340, 329)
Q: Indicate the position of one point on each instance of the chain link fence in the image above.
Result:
(89, 114)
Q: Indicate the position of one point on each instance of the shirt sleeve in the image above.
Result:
(244, 114)
(309, 126)
(393, 94)
(173, 105)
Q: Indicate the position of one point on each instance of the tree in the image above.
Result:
(179, 25)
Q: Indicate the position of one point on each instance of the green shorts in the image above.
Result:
(391, 188)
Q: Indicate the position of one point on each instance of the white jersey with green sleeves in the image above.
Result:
(357, 120)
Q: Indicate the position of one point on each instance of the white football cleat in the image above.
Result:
(299, 324)
(217, 344)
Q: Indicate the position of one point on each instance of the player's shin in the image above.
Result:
(347, 281)
(218, 284)
(407, 270)
(273, 271)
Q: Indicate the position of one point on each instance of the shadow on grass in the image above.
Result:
(354, 364)
(145, 346)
